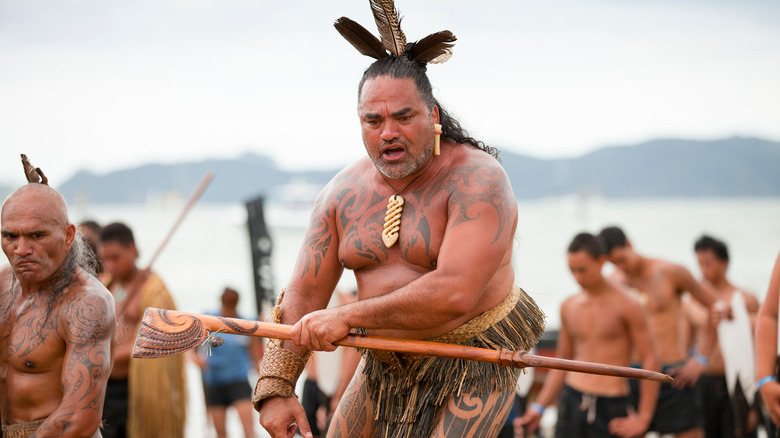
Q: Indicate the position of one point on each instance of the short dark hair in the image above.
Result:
(717, 246)
(117, 232)
(230, 297)
(91, 226)
(611, 238)
(587, 242)
(404, 68)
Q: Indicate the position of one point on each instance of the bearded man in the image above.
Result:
(429, 238)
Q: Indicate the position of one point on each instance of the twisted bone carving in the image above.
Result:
(395, 206)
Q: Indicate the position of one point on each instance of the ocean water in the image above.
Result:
(211, 248)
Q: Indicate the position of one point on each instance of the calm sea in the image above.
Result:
(211, 248)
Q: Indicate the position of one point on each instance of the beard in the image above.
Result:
(403, 169)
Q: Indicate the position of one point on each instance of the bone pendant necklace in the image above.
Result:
(395, 206)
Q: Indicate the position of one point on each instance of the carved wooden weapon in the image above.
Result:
(191, 203)
(168, 332)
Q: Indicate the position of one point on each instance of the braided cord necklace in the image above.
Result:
(395, 206)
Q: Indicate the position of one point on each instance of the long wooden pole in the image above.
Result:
(167, 332)
(204, 182)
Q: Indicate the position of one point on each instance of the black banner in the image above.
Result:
(261, 245)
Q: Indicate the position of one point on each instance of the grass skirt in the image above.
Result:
(408, 391)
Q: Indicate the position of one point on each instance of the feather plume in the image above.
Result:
(33, 174)
(363, 40)
(435, 48)
(389, 25)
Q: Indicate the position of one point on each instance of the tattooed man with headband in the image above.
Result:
(57, 329)
(429, 238)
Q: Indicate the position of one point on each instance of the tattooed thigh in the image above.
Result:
(474, 416)
(354, 418)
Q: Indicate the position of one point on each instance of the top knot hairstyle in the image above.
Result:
(436, 48)
(33, 174)
(397, 59)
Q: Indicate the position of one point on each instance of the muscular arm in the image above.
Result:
(554, 380)
(88, 325)
(317, 269)
(643, 345)
(482, 214)
(766, 344)
(686, 282)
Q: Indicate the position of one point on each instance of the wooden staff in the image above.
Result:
(168, 332)
(191, 203)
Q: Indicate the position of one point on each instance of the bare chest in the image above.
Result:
(657, 294)
(361, 221)
(30, 341)
(595, 323)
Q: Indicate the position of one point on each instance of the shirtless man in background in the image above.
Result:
(659, 286)
(57, 330)
(134, 407)
(724, 416)
(601, 323)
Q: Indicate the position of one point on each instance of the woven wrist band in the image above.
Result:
(280, 368)
(278, 373)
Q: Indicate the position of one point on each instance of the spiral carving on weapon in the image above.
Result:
(182, 333)
(395, 206)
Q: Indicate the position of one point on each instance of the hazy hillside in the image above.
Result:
(235, 180)
(730, 167)
(661, 168)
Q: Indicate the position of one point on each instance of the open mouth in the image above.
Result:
(393, 153)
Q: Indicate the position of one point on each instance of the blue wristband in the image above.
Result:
(764, 381)
(702, 359)
(537, 407)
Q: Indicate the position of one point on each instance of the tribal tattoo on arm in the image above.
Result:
(318, 240)
(474, 188)
(88, 325)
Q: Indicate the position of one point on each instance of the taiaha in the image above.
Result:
(204, 182)
(167, 332)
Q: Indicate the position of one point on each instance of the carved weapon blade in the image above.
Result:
(168, 332)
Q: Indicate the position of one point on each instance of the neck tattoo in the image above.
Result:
(395, 206)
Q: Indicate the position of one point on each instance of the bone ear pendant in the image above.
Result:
(395, 205)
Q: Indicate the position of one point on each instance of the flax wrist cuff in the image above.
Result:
(279, 372)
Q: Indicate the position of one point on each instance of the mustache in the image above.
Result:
(394, 142)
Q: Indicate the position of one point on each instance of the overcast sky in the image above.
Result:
(103, 85)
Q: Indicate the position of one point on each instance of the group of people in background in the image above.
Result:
(654, 314)
(649, 313)
(225, 370)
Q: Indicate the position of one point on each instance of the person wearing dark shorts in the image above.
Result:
(603, 324)
(228, 394)
(587, 415)
(677, 409)
(115, 409)
(225, 372)
(312, 400)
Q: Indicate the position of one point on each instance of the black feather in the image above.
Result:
(431, 47)
(363, 40)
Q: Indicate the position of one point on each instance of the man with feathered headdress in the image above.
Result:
(426, 222)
